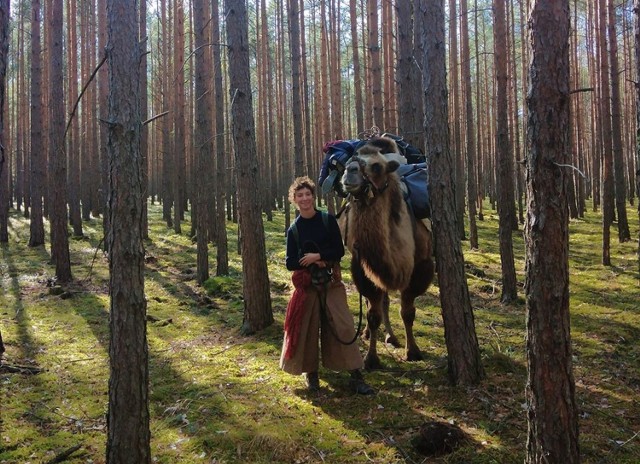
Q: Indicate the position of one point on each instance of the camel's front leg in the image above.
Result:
(391, 336)
(374, 319)
(408, 314)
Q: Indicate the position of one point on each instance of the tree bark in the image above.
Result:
(620, 189)
(471, 143)
(550, 390)
(179, 147)
(36, 224)
(75, 217)
(4, 54)
(257, 299)
(375, 69)
(357, 78)
(506, 198)
(144, 136)
(128, 433)
(203, 136)
(409, 108)
(222, 247)
(464, 362)
(607, 190)
(57, 154)
(636, 32)
(296, 100)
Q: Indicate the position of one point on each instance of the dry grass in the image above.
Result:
(218, 397)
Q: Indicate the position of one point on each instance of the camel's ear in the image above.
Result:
(392, 166)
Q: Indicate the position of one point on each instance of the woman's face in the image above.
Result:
(303, 199)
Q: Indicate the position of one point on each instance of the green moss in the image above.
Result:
(216, 396)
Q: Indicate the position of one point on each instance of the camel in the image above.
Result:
(390, 249)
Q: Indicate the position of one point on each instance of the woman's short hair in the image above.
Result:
(300, 183)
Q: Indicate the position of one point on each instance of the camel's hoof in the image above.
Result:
(372, 363)
(392, 340)
(414, 355)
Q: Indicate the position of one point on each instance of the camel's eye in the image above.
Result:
(352, 167)
(376, 168)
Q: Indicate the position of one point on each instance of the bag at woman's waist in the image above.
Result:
(321, 276)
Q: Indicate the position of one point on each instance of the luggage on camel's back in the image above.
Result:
(414, 174)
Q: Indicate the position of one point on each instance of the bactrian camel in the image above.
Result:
(390, 249)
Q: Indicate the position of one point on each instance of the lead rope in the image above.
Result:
(323, 305)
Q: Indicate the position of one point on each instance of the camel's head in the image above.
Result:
(369, 170)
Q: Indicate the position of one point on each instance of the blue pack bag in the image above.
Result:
(416, 193)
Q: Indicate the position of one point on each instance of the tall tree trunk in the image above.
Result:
(75, 217)
(409, 109)
(128, 434)
(36, 224)
(5, 18)
(168, 169)
(144, 136)
(222, 253)
(357, 78)
(464, 362)
(257, 299)
(550, 391)
(4, 54)
(337, 126)
(390, 104)
(636, 31)
(616, 129)
(57, 155)
(506, 199)
(203, 135)
(310, 159)
(471, 142)
(454, 118)
(99, 132)
(296, 100)
(605, 132)
(375, 70)
(179, 147)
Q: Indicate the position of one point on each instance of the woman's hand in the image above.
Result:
(311, 258)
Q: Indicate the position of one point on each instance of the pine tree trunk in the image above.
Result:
(222, 253)
(636, 31)
(462, 343)
(471, 142)
(57, 154)
(75, 217)
(605, 131)
(550, 390)
(504, 157)
(128, 434)
(179, 147)
(357, 78)
(4, 49)
(409, 108)
(203, 136)
(36, 224)
(375, 69)
(296, 100)
(144, 136)
(257, 299)
(620, 189)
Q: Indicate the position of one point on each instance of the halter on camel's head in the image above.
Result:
(367, 173)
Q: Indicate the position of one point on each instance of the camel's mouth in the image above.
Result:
(351, 187)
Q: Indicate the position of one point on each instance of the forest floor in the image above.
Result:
(219, 397)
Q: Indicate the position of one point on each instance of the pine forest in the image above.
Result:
(147, 148)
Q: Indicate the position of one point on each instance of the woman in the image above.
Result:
(317, 312)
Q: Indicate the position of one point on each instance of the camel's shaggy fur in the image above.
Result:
(390, 249)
